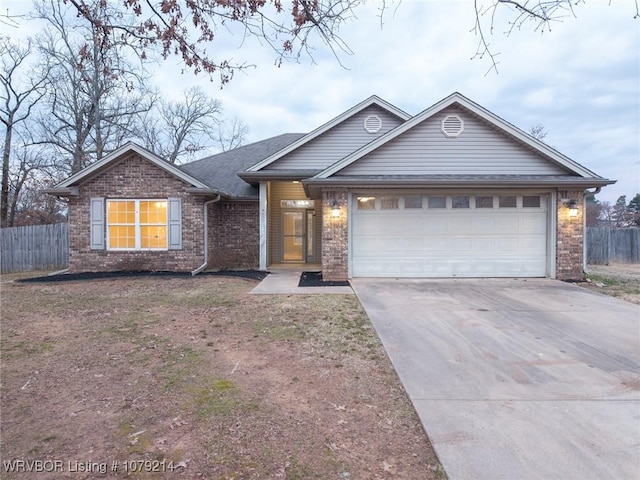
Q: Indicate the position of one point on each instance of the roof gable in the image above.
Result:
(546, 159)
(371, 103)
(116, 156)
(478, 149)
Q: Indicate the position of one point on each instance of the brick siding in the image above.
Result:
(134, 178)
(335, 250)
(234, 234)
(569, 237)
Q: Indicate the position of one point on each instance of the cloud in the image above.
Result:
(580, 80)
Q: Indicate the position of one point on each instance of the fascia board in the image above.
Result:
(130, 147)
(373, 100)
(581, 182)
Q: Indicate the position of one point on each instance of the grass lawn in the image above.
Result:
(200, 379)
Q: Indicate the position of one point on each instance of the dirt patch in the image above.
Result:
(621, 280)
(163, 377)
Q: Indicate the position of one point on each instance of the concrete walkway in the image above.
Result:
(516, 379)
(283, 280)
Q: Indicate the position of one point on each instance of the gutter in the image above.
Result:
(206, 235)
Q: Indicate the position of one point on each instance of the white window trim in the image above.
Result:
(137, 225)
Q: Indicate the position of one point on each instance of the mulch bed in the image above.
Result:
(314, 279)
(68, 277)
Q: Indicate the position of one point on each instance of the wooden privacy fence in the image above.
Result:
(34, 247)
(605, 245)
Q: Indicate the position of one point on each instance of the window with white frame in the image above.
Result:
(137, 224)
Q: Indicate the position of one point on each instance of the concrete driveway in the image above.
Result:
(516, 379)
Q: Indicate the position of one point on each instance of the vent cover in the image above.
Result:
(372, 124)
(452, 126)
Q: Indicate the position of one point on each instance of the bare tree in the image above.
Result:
(539, 14)
(32, 170)
(231, 133)
(22, 88)
(538, 132)
(98, 95)
(186, 27)
(182, 128)
(593, 211)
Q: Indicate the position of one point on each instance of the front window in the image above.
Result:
(137, 224)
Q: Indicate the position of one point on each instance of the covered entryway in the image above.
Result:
(294, 225)
(472, 234)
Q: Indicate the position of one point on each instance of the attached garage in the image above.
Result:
(462, 234)
(454, 191)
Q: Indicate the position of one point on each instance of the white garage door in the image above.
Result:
(475, 235)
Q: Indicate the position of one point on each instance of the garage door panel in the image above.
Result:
(533, 223)
(486, 244)
(449, 242)
(461, 226)
(506, 223)
(435, 224)
(483, 224)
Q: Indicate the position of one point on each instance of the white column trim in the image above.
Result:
(263, 225)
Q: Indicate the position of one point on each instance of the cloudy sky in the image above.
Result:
(581, 80)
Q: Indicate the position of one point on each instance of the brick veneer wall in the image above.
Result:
(335, 246)
(134, 178)
(570, 237)
(234, 234)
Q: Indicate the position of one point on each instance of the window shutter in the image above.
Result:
(175, 224)
(96, 221)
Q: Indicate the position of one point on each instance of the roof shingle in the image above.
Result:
(220, 171)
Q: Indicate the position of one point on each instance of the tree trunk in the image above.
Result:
(4, 193)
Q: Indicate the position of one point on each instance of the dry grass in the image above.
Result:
(197, 372)
(617, 280)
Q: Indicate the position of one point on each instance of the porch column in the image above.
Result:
(569, 236)
(263, 225)
(335, 238)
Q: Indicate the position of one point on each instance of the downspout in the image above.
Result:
(584, 225)
(206, 235)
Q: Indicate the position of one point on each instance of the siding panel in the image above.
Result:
(337, 142)
(480, 149)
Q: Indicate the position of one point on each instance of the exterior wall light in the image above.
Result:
(335, 209)
(573, 208)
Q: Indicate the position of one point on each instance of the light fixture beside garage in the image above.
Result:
(335, 209)
(573, 208)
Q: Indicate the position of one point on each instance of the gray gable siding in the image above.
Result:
(479, 149)
(337, 142)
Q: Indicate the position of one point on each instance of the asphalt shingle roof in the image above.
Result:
(220, 171)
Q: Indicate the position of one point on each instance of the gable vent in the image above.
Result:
(372, 124)
(452, 126)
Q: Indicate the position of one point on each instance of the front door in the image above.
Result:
(297, 235)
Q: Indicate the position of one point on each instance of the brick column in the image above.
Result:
(570, 236)
(335, 250)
